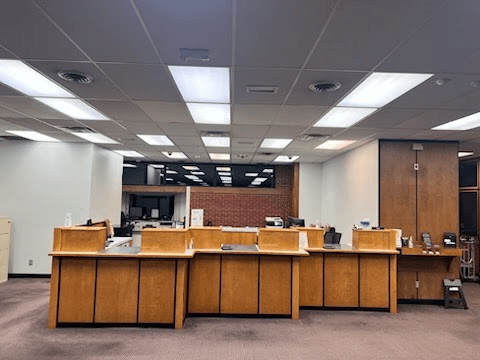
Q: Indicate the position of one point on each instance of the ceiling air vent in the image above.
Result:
(215, 133)
(324, 86)
(194, 54)
(75, 76)
(78, 129)
(262, 89)
(267, 153)
(308, 137)
(13, 137)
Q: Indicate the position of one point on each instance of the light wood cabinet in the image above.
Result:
(204, 284)
(341, 280)
(311, 280)
(275, 285)
(5, 229)
(374, 281)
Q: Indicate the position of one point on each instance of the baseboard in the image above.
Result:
(41, 276)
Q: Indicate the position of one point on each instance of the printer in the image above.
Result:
(273, 222)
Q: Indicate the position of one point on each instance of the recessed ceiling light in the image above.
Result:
(268, 170)
(224, 173)
(465, 153)
(256, 183)
(32, 135)
(226, 178)
(218, 114)
(379, 89)
(260, 179)
(202, 84)
(217, 156)
(171, 172)
(342, 117)
(216, 141)
(198, 173)
(129, 166)
(129, 153)
(285, 158)
(156, 140)
(223, 168)
(191, 168)
(251, 174)
(174, 155)
(464, 123)
(95, 138)
(191, 177)
(29, 81)
(75, 108)
(169, 179)
(157, 166)
(335, 144)
(197, 180)
(275, 143)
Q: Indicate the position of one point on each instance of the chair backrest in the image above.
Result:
(332, 237)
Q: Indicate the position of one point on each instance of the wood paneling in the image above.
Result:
(204, 284)
(181, 293)
(54, 282)
(373, 239)
(206, 238)
(156, 301)
(393, 283)
(275, 285)
(239, 284)
(374, 281)
(278, 239)
(315, 236)
(244, 238)
(295, 288)
(398, 187)
(311, 280)
(341, 280)
(117, 291)
(406, 288)
(431, 285)
(164, 240)
(438, 197)
(77, 290)
(80, 238)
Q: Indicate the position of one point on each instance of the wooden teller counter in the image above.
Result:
(176, 272)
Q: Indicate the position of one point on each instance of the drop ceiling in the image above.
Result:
(127, 45)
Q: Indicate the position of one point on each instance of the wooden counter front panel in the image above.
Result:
(239, 284)
(431, 285)
(406, 288)
(374, 281)
(156, 303)
(341, 280)
(275, 285)
(77, 290)
(311, 280)
(117, 291)
(204, 284)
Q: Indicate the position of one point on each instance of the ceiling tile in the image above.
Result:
(180, 129)
(143, 82)
(389, 118)
(4, 112)
(443, 37)
(432, 118)
(460, 135)
(245, 142)
(254, 114)
(66, 137)
(164, 111)
(203, 24)
(121, 110)
(31, 107)
(8, 91)
(5, 54)
(355, 134)
(186, 140)
(287, 132)
(100, 88)
(427, 135)
(138, 127)
(32, 124)
(95, 22)
(30, 35)
(395, 133)
(343, 49)
(249, 131)
(282, 78)
(470, 101)
(302, 95)
(108, 127)
(6, 125)
(269, 32)
(300, 115)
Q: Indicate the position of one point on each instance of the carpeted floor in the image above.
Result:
(416, 332)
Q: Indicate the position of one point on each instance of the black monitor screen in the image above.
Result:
(136, 212)
(291, 221)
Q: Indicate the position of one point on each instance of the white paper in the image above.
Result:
(302, 240)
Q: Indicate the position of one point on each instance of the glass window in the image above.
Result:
(468, 173)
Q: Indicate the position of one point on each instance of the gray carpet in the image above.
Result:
(416, 332)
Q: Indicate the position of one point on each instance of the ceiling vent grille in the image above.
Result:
(75, 76)
(324, 86)
(13, 137)
(308, 137)
(262, 89)
(78, 129)
(215, 133)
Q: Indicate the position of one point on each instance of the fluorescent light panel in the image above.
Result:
(171, 172)
(465, 153)
(29, 81)
(95, 138)
(251, 174)
(275, 143)
(198, 173)
(342, 117)
(156, 140)
(217, 156)
(191, 177)
(216, 141)
(285, 158)
(218, 114)
(32, 135)
(226, 178)
(202, 84)
(75, 108)
(223, 168)
(129, 166)
(157, 166)
(334, 144)
(224, 173)
(464, 123)
(174, 155)
(129, 153)
(379, 89)
(191, 168)
(260, 179)
(267, 170)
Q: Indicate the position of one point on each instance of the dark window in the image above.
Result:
(468, 173)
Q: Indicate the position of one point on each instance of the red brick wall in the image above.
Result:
(245, 206)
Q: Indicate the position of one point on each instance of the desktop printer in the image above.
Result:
(449, 240)
(273, 222)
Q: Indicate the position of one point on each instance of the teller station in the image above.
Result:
(210, 271)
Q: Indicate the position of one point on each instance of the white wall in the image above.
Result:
(40, 183)
(346, 190)
(180, 209)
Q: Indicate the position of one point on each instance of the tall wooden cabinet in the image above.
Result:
(419, 193)
(5, 226)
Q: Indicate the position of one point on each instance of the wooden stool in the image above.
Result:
(454, 286)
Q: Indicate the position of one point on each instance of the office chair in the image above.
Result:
(332, 237)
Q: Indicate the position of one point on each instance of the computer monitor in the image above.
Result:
(291, 221)
(136, 212)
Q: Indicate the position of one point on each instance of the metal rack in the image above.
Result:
(467, 261)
